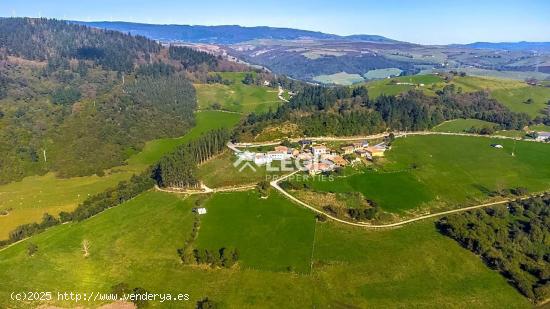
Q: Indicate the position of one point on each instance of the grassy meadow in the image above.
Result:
(29, 199)
(270, 234)
(511, 93)
(436, 172)
(388, 87)
(462, 125)
(135, 243)
(237, 97)
(516, 99)
(220, 172)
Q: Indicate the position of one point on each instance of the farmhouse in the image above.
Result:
(362, 153)
(338, 160)
(376, 151)
(278, 155)
(281, 148)
(319, 150)
(347, 149)
(319, 167)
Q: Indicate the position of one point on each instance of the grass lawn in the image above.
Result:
(413, 266)
(136, 243)
(511, 93)
(387, 87)
(511, 133)
(462, 125)
(515, 99)
(270, 234)
(30, 198)
(237, 97)
(220, 172)
(451, 171)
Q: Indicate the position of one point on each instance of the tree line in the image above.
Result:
(513, 239)
(190, 57)
(179, 169)
(349, 111)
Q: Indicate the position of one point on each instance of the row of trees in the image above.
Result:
(124, 191)
(179, 169)
(222, 257)
(513, 238)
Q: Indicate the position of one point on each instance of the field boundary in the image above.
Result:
(275, 184)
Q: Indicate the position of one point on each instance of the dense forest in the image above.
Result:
(46, 39)
(77, 100)
(349, 111)
(191, 58)
(513, 239)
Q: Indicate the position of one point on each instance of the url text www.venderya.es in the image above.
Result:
(98, 297)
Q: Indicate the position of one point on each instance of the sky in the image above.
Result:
(418, 21)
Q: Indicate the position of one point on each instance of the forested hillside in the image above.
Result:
(349, 111)
(77, 101)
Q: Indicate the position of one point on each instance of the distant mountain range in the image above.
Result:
(535, 46)
(230, 34)
(233, 34)
(329, 58)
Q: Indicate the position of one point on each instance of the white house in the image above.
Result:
(319, 150)
(278, 155)
(201, 211)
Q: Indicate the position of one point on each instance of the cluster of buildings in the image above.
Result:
(316, 158)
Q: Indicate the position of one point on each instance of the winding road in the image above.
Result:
(275, 184)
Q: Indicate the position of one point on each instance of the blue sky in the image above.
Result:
(419, 21)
